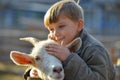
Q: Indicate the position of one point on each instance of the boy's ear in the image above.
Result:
(20, 58)
(75, 45)
(80, 25)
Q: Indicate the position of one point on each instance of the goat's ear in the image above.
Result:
(75, 45)
(20, 58)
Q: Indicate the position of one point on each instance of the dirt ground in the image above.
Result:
(11, 72)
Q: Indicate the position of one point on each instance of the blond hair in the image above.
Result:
(69, 8)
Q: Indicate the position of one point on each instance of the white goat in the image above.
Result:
(47, 66)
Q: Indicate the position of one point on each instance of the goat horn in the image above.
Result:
(31, 40)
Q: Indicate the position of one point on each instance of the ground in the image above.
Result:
(11, 72)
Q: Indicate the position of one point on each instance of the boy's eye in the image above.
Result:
(51, 29)
(61, 26)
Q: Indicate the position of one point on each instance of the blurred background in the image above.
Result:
(23, 18)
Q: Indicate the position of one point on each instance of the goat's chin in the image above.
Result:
(56, 77)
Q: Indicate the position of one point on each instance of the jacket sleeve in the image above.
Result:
(95, 66)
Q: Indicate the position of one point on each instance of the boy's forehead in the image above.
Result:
(61, 20)
(65, 7)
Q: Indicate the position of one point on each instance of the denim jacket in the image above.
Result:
(90, 62)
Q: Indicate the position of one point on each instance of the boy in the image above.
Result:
(65, 22)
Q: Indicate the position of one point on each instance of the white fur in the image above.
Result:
(45, 65)
(47, 62)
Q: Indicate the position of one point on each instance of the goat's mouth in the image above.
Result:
(58, 77)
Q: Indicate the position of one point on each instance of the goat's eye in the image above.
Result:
(37, 58)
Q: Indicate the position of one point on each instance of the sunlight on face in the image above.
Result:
(64, 30)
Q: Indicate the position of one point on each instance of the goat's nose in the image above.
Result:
(57, 69)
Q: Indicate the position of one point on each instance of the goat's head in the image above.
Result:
(47, 66)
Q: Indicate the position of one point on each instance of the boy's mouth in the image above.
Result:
(60, 40)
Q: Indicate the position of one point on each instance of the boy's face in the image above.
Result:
(65, 30)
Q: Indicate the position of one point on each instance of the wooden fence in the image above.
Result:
(9, 40)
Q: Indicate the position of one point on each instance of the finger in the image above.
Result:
(56, 47)
(52, 46)
(52, 53)
(50, 49)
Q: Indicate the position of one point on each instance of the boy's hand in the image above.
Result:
(59, 51)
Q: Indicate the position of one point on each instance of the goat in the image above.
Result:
(48, 66)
